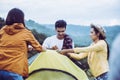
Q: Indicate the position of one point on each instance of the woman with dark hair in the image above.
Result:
(96, 53)
(14, 41)
(15, 16)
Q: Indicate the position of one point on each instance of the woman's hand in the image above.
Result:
(65, 51)
(54, 47)
(68, 55)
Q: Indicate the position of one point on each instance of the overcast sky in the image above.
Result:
(80, 12)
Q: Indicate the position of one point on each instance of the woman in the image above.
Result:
(96, 53)
(14, 41)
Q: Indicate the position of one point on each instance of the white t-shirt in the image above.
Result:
(53, 41)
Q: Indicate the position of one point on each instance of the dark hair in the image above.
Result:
(15, 15)
(101, 37)
(60, 24)
(108, 50)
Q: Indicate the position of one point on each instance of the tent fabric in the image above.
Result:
(58, 75)
(51, 65)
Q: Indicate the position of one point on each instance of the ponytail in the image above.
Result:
(108, 50)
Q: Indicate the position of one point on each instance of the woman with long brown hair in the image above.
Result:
(97, 53)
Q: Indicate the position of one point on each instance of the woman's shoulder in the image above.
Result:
(102, 43)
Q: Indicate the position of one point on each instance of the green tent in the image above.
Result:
(51, 65)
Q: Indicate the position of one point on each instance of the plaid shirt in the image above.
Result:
(67, 43)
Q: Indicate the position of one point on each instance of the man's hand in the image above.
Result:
(55, 47)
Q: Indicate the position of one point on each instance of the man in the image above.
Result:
(61, 40)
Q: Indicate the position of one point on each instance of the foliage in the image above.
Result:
(38, 27)
(40, 37)
(2, 22)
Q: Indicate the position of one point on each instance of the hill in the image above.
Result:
(80, 34)
(38, 27)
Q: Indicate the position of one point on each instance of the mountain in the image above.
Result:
(79, 33)
(38, 27)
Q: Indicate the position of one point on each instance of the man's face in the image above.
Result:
(60, 32)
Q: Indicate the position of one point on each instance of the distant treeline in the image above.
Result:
(2, 22)
(79, 33)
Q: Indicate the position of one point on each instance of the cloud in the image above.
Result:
(73, 11)
(114, 22)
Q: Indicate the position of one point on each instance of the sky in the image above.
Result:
(79, 12)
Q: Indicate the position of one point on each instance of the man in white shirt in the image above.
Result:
(60, 40)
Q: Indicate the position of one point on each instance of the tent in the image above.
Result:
(51, 65)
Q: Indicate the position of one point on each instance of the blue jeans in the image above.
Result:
(5, 75)
(103, 76)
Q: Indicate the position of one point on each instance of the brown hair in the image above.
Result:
(101, 36)
(15, 15)
(99, 30)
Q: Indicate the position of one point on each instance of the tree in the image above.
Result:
(2, 22)
(40, 37)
